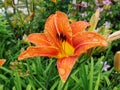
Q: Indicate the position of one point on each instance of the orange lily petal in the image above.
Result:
(86, 40)
(39, 39)
(50, 30)
(62, 25)
(2, 61)
(39, 51)
(79, 26)
(65, 65)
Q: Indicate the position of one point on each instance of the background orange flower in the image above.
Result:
(2, 61)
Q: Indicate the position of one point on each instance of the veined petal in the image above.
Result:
(50, 30)
(62, 25)
(79, 26)
(33, 51)
(39, 39)
(2, 61)
(86, 40)
(65, 65)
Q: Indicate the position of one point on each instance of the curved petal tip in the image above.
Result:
(65, 66)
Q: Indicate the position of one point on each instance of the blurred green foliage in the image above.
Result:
(41, 73)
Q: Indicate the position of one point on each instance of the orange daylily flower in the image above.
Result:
(54, 1)
(2, 61)
(63, 41)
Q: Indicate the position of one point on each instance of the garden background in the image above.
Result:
(19, 18)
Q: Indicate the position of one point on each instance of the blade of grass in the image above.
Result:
(1, 87)
(66, 86)
(34, 78)
(29, 87)
(17, 82)
(97, 82)
(60, 86)
(48, 67)
(84, 77)
(6, 70)
(91, 75)
(74, 77)
(54, 85)
(4, 78)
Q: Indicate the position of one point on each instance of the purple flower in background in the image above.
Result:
(84, 14)
(105, 66)
(107, 24)
(84, 4)
(101, 3)
(107, 2)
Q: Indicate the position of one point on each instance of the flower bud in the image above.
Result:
(94, 20)
(114, 36)
(117, 61)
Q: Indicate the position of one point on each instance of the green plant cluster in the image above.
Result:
(41, 73)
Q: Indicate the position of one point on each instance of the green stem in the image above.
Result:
(19, 15)
(114, 80)
(27, 7)
(33, 6)
(7, 15)
(33, 77)
(107, 53)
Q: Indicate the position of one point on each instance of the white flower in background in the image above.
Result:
(107, 24)
(101, 9)
(74, 2)
(15, 1)
(84, 14)
(24, 10)
(110, 12)
(84, 4)
(2, 11)
(105, 66)
(10, 10)
(96, 30)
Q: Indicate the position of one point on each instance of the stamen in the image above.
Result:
(61, 37)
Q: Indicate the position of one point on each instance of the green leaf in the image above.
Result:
(1, 87)
(84, 78)
(91, 75)
(17, 82)
(28, 87)
(54, 85)
(115, 88)
(97, 82)
(107, 80)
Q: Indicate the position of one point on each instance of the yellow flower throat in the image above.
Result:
(66, 49)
